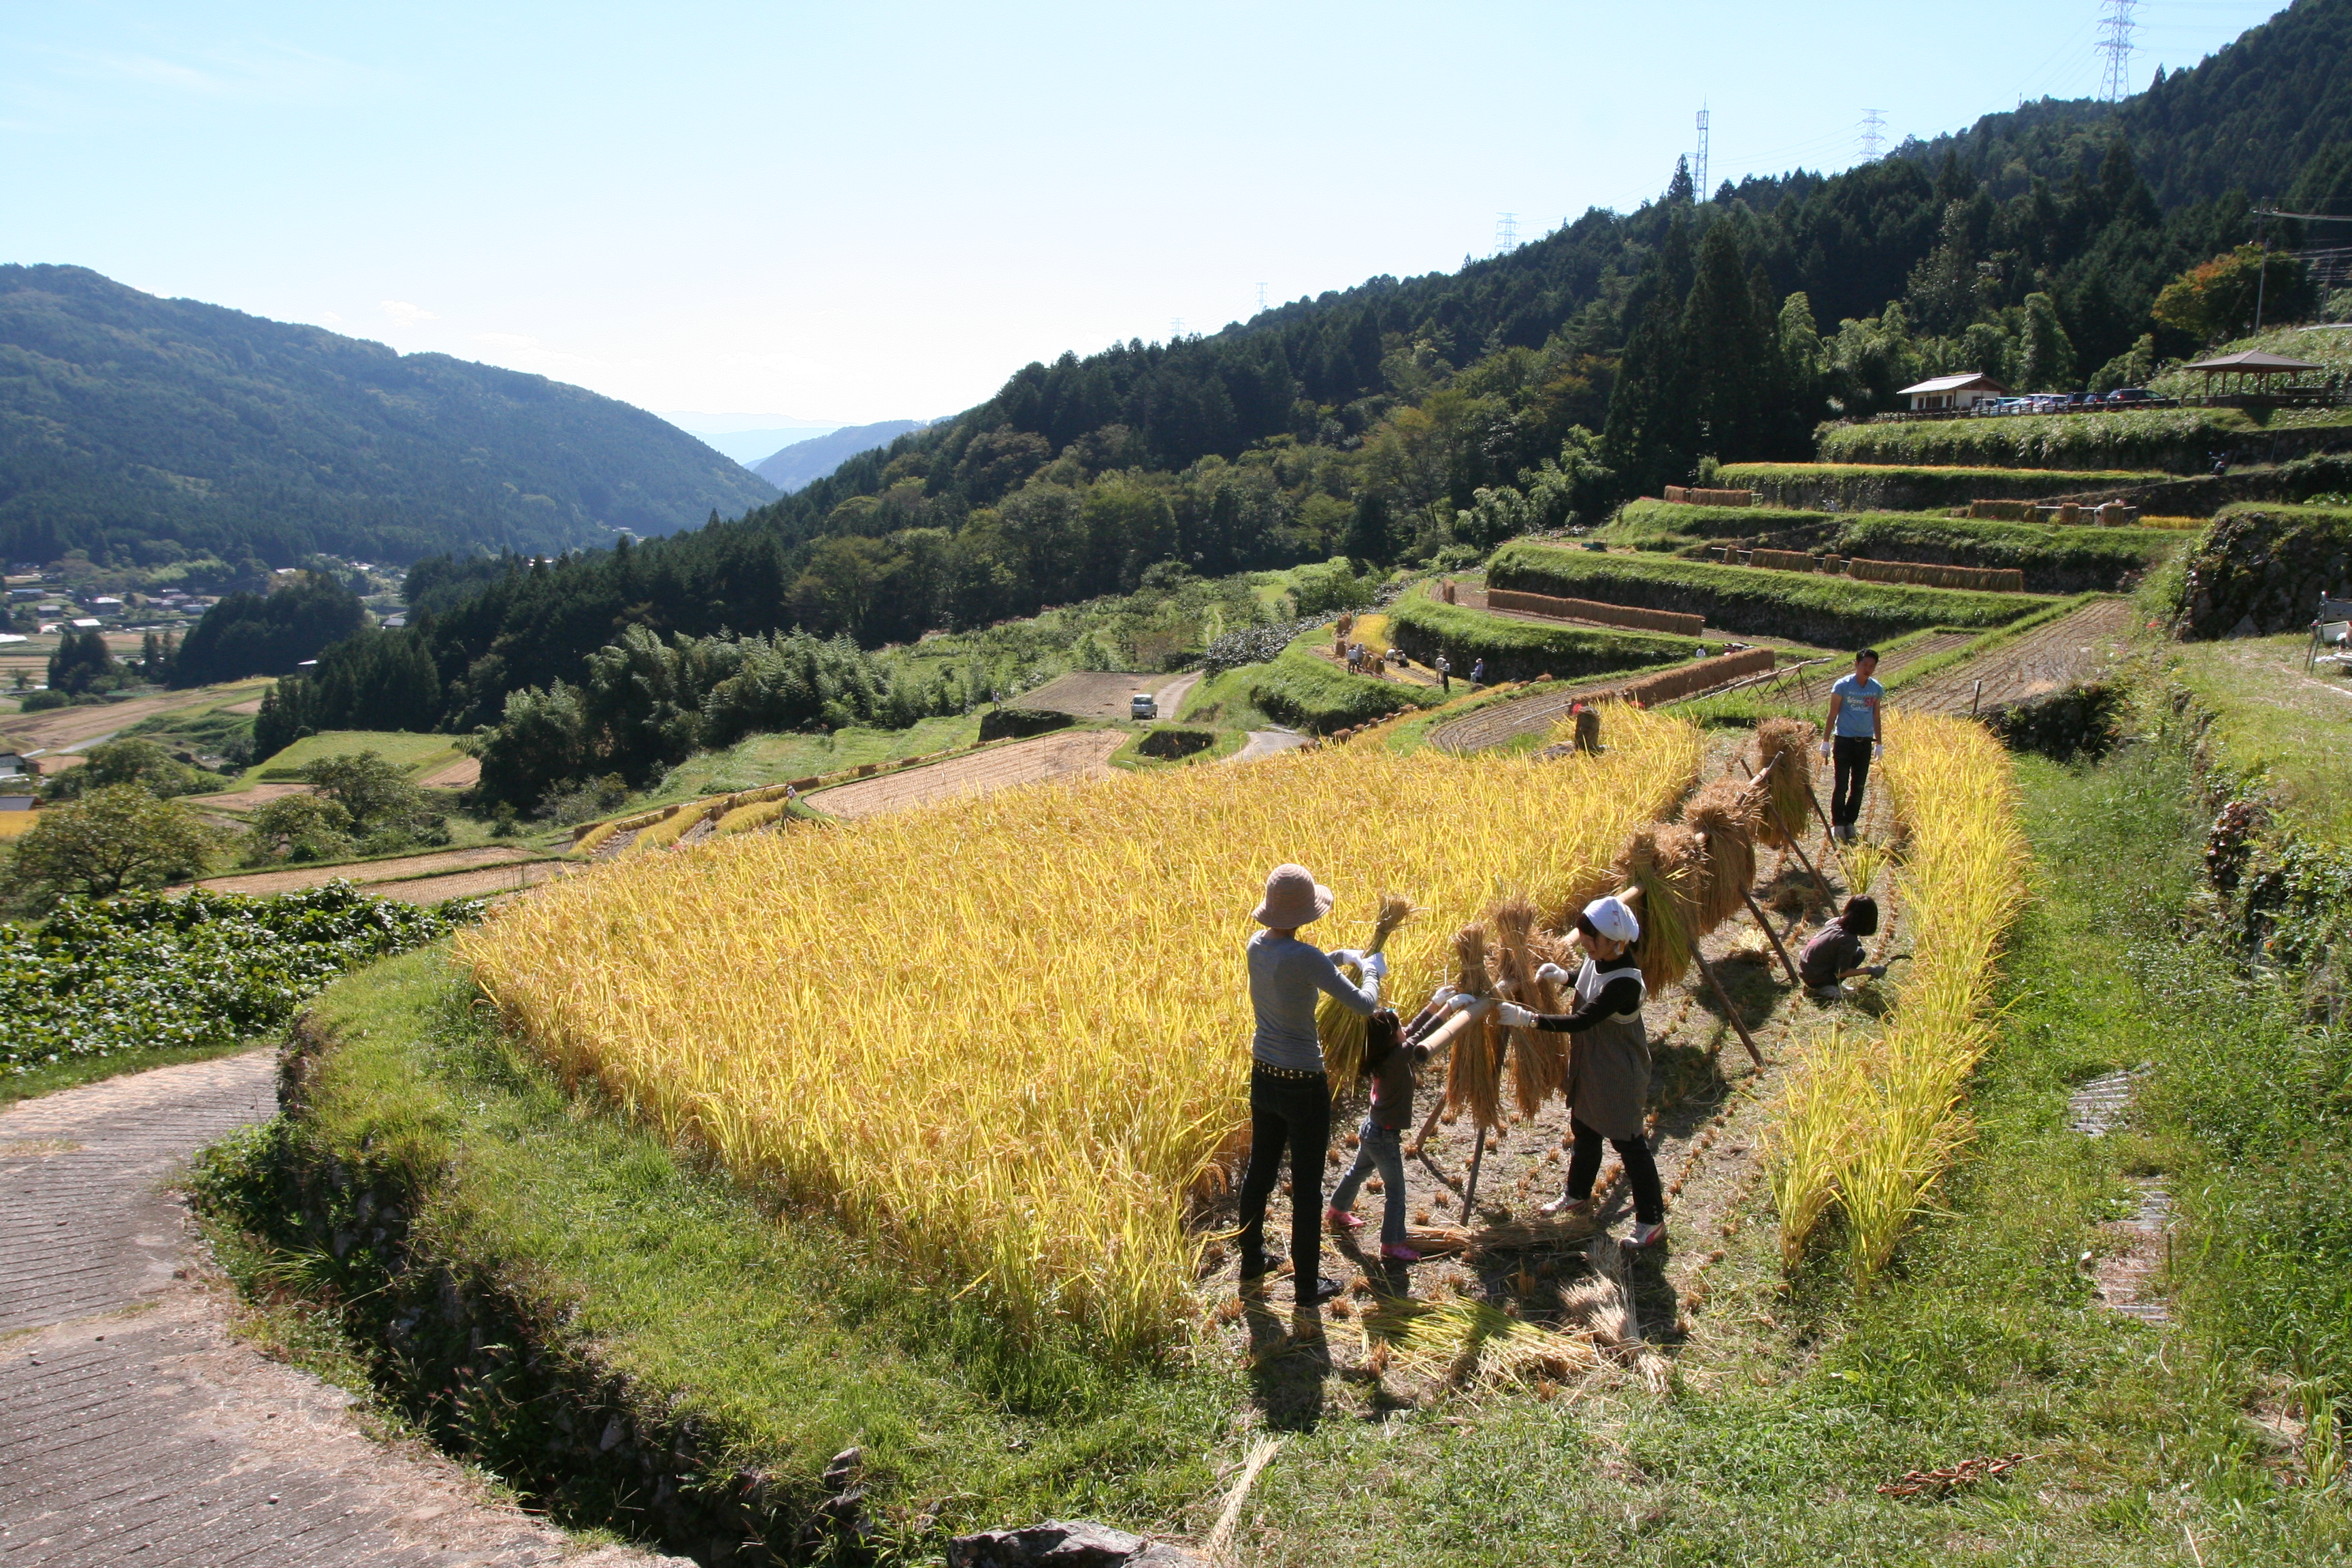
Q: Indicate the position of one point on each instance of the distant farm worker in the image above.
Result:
(1836, 953)
(1609, 1072)
(1854, 738)
(1290, 1097)
(1479, 675)
(1445, 673)
(1390, 1063)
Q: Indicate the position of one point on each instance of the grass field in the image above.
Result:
(417, 755)
(1032, 1045)
(2291, 730)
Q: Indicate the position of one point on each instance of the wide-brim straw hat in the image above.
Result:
(1293, 898)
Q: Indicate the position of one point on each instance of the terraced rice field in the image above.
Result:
(2073, 648)
(367, 872)
(1072, 754)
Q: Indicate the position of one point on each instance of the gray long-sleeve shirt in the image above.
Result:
(1285, 975)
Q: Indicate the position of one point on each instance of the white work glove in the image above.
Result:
(1348, 955)
(1375, 966)
(1511, 1015)
(1825, 751)
(1556, 974)
(1877, 750)
(1462, 1002)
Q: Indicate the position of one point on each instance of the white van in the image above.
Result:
(1143, 705)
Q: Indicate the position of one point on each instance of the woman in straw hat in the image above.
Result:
(1290, 1098)
(1609, 1084)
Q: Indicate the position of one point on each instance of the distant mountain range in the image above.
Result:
(804, 462)
(150, 429)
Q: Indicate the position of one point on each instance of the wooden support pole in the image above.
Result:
(1773, 936)
(1729, 1011)
(1470, 1191)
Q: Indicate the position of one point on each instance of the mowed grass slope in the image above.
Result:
(1008, 1034)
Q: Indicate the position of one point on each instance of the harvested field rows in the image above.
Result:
(364, 872)
(2047, 658)
(1074, 755)
(484, 883)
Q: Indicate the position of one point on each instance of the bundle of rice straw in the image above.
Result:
(1474, 1075)
(1661, 864)
(1727, 814)
(1471, 1344)
(1538, 1059)
(1792, 782)
(1342, 1032)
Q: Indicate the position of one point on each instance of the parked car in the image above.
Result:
(1143, 705)
(2130, 395)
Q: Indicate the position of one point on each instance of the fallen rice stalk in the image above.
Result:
(1002, 1038)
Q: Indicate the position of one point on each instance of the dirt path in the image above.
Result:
(2071, 648)
(1070, 754)
(367, 871)
(134, 1427)
(248, 798)
(485, 882)
(1268, 743)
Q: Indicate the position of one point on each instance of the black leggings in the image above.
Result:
(1296, 1113)
(1640, 1171)
(1850, 759)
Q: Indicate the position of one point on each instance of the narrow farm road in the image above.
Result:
(1268, 743)
(134, 1427)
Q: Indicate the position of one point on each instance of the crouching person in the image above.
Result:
(1837, 955)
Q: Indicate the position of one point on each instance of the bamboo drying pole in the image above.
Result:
(1730, 1012)
(1773, 936)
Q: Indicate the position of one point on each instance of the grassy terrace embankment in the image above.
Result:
(1827, 611)
(2056, 560)
(2176, 440)
(1863, 487)
(1520, 650)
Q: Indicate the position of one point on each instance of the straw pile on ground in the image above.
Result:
(1000, 1039)
(1790, 781)
(1865, 1126)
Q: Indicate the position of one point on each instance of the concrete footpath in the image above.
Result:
(134, 1427)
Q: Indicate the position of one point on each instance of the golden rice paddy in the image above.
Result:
(1006, 1038)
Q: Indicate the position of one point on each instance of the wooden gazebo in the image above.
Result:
(2250, 362)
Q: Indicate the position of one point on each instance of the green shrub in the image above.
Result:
(1005, 723)
(1829, 612)
(1299, 689)
(1862, 486)
(2261, 568)
(2178, 440)
(1517, 650)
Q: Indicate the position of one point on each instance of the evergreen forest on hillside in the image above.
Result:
(1406, 418)
(151, 432)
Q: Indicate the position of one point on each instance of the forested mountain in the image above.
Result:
(791, 467)
(151, 430)
(1405, 418)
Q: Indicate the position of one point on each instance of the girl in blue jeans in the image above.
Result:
(1380, 1147)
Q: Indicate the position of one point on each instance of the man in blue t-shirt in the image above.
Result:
(1853, 739)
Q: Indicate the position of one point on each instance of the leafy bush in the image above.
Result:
(1517, 650)
(132, 761)
(201, 969)
(1830, 611)
(42, 701)
(1860, 486)
(2261, 569)
(2179, 440)
(1169, 740)
(1251, 645)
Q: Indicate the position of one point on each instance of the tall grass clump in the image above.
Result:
(1866, 1126)
(1003, 1039)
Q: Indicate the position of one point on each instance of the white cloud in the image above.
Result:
(401, 311)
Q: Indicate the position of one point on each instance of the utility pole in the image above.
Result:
(1698, 165)
(1873, 133)
(1506, 231)
(2115, 43)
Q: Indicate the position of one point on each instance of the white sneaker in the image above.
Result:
(1567, 1207)
(1647, 1235)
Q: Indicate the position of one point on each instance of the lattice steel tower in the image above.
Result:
(1506, 231)
(1873, 133)
(1700, 189)
(2115, 43)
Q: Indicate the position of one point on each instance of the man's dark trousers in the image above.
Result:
(1850, 755)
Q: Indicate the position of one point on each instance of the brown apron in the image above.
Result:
(1608, 1070)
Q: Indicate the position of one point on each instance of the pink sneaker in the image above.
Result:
(1340, 1219)
(1646, 1236)
(1400, 1254)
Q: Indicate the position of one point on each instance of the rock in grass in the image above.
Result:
(1077, 1544)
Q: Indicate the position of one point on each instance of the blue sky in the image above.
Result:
(851, 213)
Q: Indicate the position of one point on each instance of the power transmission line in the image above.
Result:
(1506, 231)
(1699, 185)
(2115, 43)
(1873, 133)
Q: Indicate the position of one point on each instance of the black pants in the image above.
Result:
(1295, 1112)
(1641, 1171)
(1850, 756)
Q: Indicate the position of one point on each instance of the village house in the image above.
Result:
(1948, 394)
